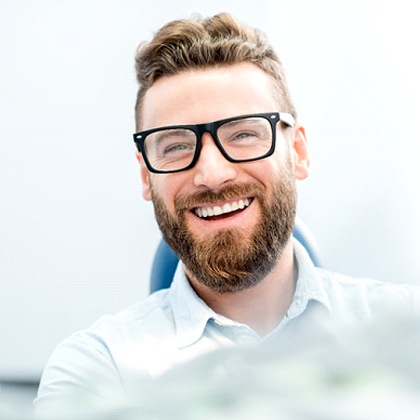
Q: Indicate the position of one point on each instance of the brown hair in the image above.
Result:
(199, 43)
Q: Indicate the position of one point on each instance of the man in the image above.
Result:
(220, 149)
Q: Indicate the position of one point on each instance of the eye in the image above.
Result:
(244, 132)
(178, 147)
(239, 138)
(171, 142)
(242, 135)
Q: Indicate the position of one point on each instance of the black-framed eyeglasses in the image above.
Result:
(244, 138)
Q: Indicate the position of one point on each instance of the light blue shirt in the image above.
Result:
(114, 356)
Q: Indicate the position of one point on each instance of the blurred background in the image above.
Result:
(76, 237)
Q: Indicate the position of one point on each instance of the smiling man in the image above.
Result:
(220, 150)
(224, 191)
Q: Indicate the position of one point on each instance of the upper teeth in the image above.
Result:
(226, 208)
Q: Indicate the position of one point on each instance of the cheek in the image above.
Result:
(278, 166)
(165, 187)
(284, 158)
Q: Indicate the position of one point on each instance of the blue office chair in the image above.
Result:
(165, 260)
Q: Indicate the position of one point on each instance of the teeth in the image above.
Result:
(204, 212)
(227, 208)
(217, 210)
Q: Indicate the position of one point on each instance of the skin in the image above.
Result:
(199, 96)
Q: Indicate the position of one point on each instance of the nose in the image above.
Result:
(212, 170)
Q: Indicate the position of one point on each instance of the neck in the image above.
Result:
(261, 307)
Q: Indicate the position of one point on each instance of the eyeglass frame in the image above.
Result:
(199, 129)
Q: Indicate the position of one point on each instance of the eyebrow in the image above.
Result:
(252, 120)
(165, 132)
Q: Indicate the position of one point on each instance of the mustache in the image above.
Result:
(229, 192)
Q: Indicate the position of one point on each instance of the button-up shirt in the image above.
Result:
(173, 326)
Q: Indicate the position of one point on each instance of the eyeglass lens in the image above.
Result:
(242, 139)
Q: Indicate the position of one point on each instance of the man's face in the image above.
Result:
(233, 250)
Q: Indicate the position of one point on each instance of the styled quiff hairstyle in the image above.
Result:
(200, 43)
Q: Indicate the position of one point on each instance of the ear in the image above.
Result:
(144, 175)
(300, 153)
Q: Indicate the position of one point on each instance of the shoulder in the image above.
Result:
(151, 315)
(369, 298)
(99, 361)
(363, 285)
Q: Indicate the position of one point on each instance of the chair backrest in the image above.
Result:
(166, 261)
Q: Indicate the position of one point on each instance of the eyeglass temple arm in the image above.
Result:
(287, 118)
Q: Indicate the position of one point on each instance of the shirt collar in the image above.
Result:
(191, 313)
(309, 285)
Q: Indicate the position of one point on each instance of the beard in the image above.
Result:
(235, 259)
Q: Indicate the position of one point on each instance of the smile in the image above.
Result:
(211, 211)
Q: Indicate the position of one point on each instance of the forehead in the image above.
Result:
(199, 96)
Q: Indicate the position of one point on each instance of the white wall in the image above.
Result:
(76, 239)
